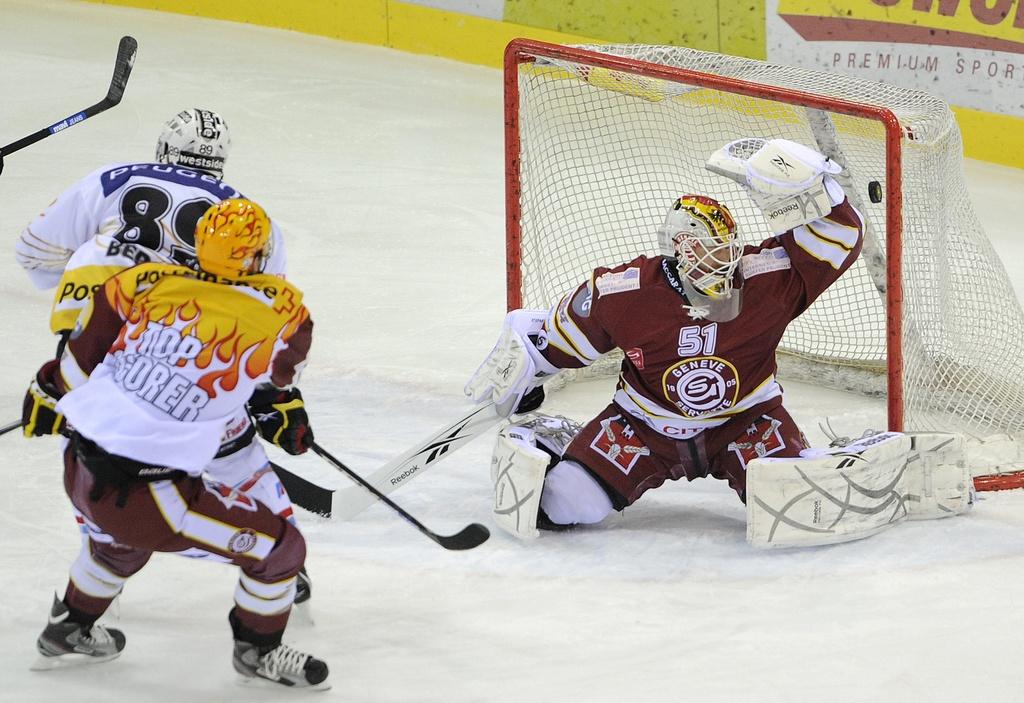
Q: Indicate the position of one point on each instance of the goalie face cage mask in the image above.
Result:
(701, 233)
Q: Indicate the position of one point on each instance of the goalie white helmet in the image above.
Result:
(197, 139)
(701, 232)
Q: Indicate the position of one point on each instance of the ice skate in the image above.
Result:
(65, 643)
(281, 665)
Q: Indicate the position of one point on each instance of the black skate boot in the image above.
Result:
(279, 664)
(68, 643)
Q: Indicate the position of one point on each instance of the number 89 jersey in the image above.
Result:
(116, 217)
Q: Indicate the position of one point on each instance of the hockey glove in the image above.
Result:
(790, 182)
(515, 367)
(280, 417)
(39, 416)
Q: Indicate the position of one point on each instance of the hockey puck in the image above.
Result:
(875, 191)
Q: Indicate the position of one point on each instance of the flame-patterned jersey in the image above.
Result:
(682, 374)
(119, 216)
(163, 360)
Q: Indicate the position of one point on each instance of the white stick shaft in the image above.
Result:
(349, 502)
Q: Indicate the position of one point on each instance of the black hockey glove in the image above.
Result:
(39, 416)
(280, 417)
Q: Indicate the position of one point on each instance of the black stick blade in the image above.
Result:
(472, 535)
(305, 494)
(126, 50)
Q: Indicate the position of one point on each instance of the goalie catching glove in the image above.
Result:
(280, 417)
(513, 373)
(39, 416)
(790, 182)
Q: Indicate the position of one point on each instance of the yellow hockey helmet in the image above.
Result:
(233, 238)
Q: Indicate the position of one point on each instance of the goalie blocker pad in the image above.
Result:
(514, 366)
(848, 493)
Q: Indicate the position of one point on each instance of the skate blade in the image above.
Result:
(66, 661)
(267, 684)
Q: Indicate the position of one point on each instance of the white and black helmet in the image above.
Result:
(197, 139)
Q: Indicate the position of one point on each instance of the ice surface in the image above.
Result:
(385, 169)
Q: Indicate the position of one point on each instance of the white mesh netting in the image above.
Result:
(603, 154)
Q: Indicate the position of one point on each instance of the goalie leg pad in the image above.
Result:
(523, 483)
(938, 479)
(517, 470)
(828, 496)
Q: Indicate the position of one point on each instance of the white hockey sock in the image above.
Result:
(264, 598)
(93, 579)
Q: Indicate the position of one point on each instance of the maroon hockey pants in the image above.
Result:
(232, 527)
(629, 458)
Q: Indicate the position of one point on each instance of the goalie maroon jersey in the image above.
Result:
(682, 374)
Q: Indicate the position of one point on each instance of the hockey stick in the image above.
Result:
(126, 51)
(11, 426)
(472, 535)
(304, 493)
(349, 502)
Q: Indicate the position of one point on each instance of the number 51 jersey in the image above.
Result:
(118, 216)
(683, 373)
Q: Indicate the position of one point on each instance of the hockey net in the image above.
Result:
(600, 140)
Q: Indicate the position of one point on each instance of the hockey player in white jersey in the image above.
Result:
(159, 371)
(124, 214)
